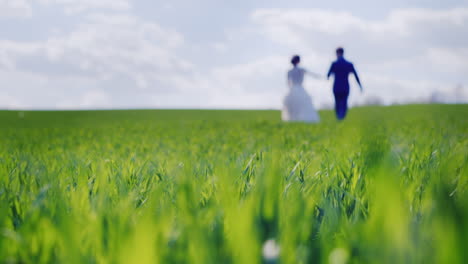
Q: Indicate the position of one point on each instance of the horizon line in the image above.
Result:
(200, 109)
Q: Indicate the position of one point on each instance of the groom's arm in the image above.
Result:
(353, 70)
(332, 69)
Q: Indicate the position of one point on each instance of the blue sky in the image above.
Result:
(81, 54)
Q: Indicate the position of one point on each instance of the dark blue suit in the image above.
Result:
(341, 69)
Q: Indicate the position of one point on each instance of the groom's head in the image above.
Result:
(339, 52)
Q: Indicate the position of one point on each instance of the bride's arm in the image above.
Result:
(313, 74)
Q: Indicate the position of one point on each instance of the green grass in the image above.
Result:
(387, 185)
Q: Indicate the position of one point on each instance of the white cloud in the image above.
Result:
(306, 27)
(10, 50)
(117, 59)
(246, 77)
(116, 55)
(220, 47)
(402, 57)
(15, 8)
(10, 102)
(392, 77)
(92, 99)
(72, 7)
(451, 60)
(104, 47)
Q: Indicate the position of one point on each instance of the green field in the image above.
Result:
(387, 185)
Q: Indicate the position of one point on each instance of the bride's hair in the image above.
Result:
(295, 60)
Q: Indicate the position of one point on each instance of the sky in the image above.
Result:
(106, 54)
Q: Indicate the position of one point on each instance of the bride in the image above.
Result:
(297, 103)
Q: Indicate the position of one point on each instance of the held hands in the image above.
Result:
(316, 75)
(319, 77)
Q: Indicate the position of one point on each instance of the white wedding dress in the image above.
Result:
(297, 103)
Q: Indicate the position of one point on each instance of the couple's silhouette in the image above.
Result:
(298, 104)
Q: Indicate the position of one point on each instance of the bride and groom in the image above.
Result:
(298, 104)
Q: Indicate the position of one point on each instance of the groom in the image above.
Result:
(341, 68)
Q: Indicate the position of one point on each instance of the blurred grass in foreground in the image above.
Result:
(387, 185)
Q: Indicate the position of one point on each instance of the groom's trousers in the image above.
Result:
(341, 103)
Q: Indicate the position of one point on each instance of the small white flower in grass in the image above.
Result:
(338, 256)
(270, 250)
